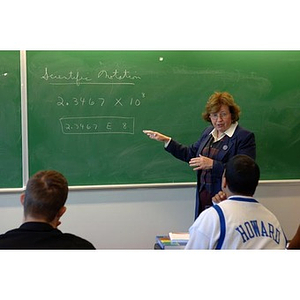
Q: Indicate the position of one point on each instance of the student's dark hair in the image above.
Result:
(242, 175)
(46, 192)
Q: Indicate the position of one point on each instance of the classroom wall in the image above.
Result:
(131, 218)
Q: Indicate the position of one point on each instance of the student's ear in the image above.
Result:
(224, 182)
(61, 212)
(56, 222)
(22, 198)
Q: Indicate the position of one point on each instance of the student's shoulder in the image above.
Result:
(207, 217)
(10, 232)
(77, 241)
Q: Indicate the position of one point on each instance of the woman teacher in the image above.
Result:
(220, 141)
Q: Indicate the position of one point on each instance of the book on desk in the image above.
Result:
(172, 241)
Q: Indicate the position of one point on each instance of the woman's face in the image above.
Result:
(221, 120)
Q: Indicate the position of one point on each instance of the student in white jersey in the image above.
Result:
(237, 220)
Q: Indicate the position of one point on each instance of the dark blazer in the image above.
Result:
(242, 142)
(38, 235)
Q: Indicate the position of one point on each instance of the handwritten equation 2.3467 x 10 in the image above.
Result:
(100, 101)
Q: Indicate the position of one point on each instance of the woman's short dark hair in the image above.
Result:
(214, 103)
(242, 175)
(46, 192)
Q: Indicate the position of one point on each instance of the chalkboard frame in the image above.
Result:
(11, 152)
(277, 112)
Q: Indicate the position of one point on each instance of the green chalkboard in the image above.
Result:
(10, 120)
(87, 110)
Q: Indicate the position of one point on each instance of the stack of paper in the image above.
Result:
(179, 236)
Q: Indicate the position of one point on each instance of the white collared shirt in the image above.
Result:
(230, 131)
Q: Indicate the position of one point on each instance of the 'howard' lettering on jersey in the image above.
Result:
(252, 229)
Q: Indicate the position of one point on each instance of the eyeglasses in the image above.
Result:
(222, 115)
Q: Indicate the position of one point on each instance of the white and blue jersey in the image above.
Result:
(237, 223)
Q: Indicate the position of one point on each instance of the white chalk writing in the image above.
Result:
(100, 101)
(71, 76)
(97, 125)
(116, 74)
(115, 77)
